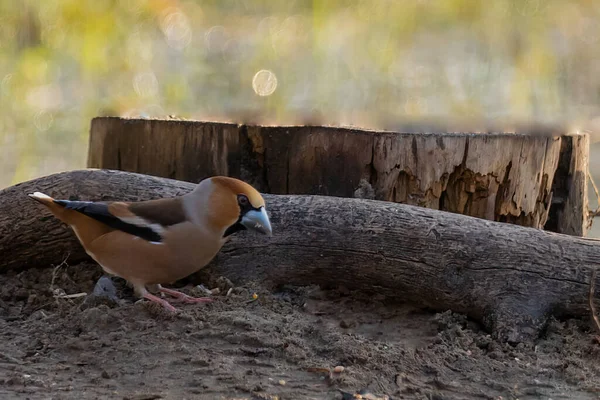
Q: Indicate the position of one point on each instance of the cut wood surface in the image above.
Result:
(496, 176)
(508, 277)
(571, 185)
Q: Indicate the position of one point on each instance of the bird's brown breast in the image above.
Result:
(186, 249)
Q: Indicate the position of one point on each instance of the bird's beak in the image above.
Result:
(257, 220)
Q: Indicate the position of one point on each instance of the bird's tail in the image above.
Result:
(42, 198)
(56, 209)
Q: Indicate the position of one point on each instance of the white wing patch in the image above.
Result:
(157, 243)
(39, 195)
(141, 222)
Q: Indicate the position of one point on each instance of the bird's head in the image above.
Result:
(236, 205)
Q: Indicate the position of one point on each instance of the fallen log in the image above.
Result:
(536, 177)
(508, 277)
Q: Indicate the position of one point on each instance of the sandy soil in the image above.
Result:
(279, 346)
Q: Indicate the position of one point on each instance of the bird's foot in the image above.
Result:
(160, 301)
(184, 298)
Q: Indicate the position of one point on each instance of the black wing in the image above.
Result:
(99, 212)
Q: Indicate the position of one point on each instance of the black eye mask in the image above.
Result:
(245, 206)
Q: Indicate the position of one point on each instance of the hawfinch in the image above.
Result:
(161, 241)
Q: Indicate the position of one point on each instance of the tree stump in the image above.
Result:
(508, 277)
(535, 180)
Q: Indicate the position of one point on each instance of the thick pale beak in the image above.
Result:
(257, 221)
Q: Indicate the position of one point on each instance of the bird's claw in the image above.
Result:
(179, 297)
(160, 301)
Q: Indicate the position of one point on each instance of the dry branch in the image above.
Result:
(508, 277)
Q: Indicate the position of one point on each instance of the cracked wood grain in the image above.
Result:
(495, 176)
(509, 278)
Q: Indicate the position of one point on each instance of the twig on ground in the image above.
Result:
(59, 293)
(55, 271)
(72, 296)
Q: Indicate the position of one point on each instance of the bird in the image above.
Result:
(151, 243)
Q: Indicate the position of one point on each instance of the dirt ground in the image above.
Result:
(278, 346)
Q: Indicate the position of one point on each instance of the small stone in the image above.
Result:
(339, 369)
(345, 324)
(104, 293)
(282, 382)
(31, 299)
(344, 291)
(203, 289)
(223, 283)
(105, 288)
(22, 294)
(364, 190)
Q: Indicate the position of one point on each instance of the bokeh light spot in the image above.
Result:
(46, 97)
(145, 84)
(528, 7)
(176, 28)
(6, 83)
(215, 39)
(264, 82)
(43, 120)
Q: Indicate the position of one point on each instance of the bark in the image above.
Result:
(570, 208)
(500, 177)
(508, 277)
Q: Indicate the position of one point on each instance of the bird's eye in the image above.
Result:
(243, 200)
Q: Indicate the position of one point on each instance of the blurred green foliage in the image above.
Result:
(62, 62)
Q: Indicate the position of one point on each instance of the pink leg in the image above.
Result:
(160, 301)
(184, 298)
